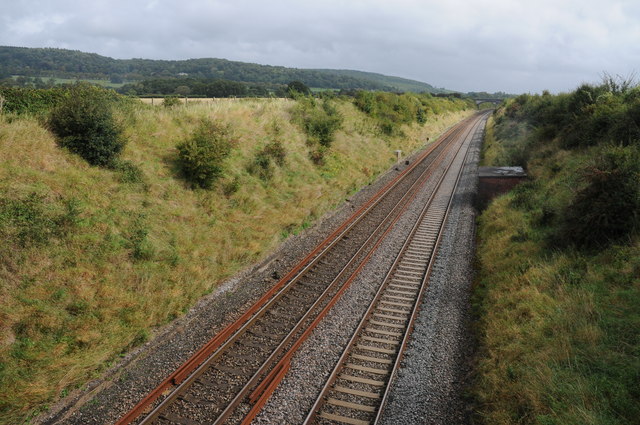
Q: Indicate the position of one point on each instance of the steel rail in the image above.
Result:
(278, 290)
(276, 373)
(245, 327)
(315, 410)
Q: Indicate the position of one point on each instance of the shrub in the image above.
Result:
(391, 110)
(27, 100)
(607, 207)
(84, 124)
(171, 101)
(319, 123)
(201, 157)
(262, 162)
(297, 88)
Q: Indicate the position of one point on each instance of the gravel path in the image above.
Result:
(432, 379)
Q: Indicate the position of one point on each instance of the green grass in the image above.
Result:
(559, 328)
(130, 248)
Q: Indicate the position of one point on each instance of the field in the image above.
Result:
(97, 258)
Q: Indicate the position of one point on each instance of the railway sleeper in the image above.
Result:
(367, 381)
(382, 332)
(380, 340)
(229, 369)
(343, 419)
(349, 405)
(367, 369)
(175, 419)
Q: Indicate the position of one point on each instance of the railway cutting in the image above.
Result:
(233, 375)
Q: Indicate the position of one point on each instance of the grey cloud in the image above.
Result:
(482, 45)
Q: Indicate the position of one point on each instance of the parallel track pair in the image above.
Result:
(230, 378)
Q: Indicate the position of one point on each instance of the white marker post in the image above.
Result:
(399, 154)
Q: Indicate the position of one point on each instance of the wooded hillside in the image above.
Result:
(62, 63)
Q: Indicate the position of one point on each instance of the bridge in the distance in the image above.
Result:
(488, 100)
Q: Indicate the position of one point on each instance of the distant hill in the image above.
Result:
(62, 63)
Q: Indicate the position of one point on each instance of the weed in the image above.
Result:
(262, 166)
(141, 246)
(129, 172)
(232, 186)
(33, 220)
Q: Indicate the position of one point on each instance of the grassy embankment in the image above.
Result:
(558, 290)
(94, 258)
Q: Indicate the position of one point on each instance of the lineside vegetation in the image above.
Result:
(94, 258)
(558, 290)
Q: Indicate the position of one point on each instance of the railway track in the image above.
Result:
(232, 375)
(358, 386)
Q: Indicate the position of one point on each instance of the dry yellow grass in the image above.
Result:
(72, 304)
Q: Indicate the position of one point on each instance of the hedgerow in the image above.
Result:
(26, 100)
(600, 126)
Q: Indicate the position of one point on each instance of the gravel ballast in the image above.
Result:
(435, 371)
(429, 388)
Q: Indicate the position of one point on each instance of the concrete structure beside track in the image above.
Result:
(494, 181)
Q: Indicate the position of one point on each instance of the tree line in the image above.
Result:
(62, 63)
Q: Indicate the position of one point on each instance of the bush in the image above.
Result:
(84, 124)
(27, 100)
(391, 110)
(171, 101)
(319, 123)
(607, 207)
(262, 162)
(201, 157)
(297, 88)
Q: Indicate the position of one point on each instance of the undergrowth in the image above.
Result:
(558, 288)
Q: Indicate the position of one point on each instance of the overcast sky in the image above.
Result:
(472, 45)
